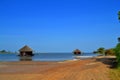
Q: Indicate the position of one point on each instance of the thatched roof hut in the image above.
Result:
(26, 51)
(77, 51)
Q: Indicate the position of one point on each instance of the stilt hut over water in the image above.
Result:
(26, 51)
(77, 51)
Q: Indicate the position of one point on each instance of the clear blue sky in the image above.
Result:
(59, 25)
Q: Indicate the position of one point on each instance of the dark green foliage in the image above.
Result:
(3, 51)
(117, 53)
(101, 50)
(118, 39)
(118, 15)
(110, 52)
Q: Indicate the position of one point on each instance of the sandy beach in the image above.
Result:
(89, 69)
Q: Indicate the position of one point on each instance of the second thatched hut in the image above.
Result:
(77, 51)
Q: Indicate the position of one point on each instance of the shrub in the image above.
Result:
(117, 53)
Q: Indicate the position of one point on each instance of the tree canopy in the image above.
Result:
(101, 50)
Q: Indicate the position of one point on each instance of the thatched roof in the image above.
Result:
(77, 50)
(26, 48)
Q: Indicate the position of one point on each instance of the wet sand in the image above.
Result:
(89, 69)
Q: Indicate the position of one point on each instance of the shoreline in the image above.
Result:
(66, 70)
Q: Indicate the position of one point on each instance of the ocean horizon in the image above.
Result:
(45, 57)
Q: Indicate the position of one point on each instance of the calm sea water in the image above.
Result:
(46, 57)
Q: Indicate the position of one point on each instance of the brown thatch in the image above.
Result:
(77, 51)
(25, 48)
(26, 51)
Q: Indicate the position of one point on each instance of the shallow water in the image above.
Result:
(45, 57)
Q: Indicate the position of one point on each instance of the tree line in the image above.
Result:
(105, 52)
(113, 51)
(5, 51)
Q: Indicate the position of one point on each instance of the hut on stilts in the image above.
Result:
(26, 51)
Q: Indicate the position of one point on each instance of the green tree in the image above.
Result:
(101, 50)
(110, 51)
(117, 53)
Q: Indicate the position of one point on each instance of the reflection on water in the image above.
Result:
(25, 58)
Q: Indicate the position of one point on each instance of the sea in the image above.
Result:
(45, 57)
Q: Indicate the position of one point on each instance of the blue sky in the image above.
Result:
(59, 25)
